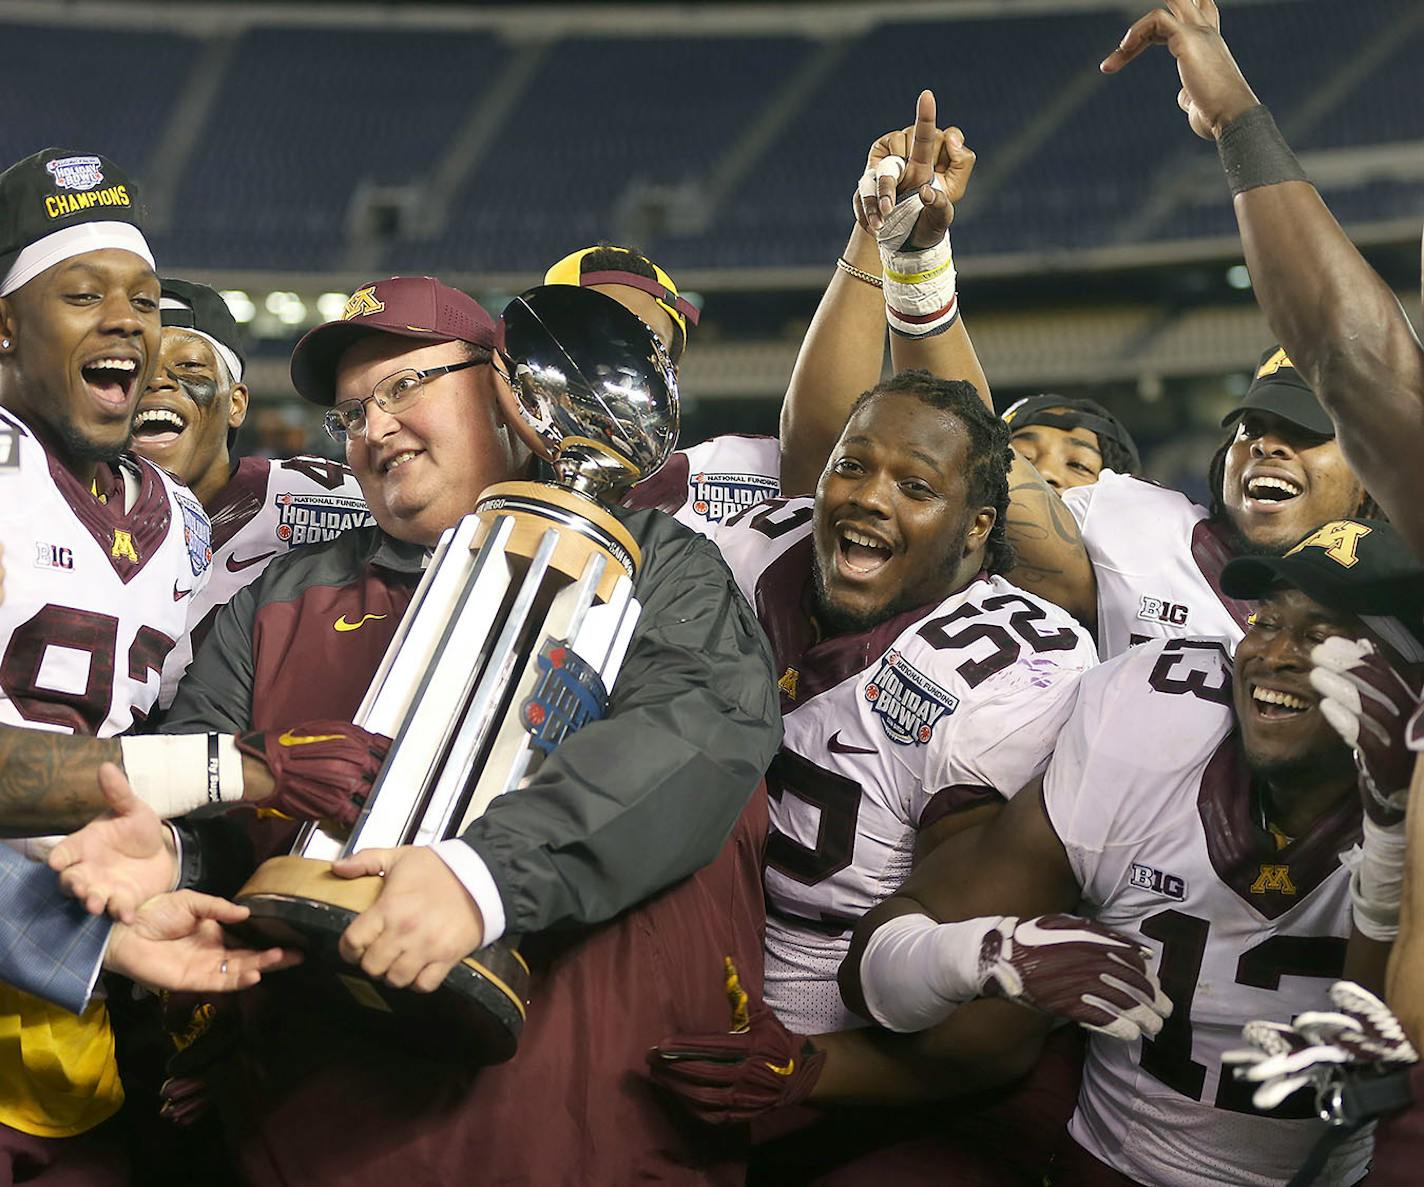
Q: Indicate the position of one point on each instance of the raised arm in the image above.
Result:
(844, 349)
(1405, 983)
(1339, 322)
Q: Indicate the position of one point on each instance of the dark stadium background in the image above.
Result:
(290, 151)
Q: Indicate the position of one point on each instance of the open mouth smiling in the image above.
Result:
(158, 426)
(1276, 704)
(110, 378)
(860, 554)
(1271, 492)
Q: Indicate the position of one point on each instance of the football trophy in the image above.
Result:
(512, 641)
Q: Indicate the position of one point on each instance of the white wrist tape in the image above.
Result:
(176, 773)
(921, 288)
(915, 972)
(1377, 880)
(868, 187)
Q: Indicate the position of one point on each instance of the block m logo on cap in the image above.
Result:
(362, 303)
(1340, 541)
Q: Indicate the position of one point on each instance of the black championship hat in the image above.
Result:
(196, 307)
(60, 203)
(1061, 412)
(1280, 389)
(1359, 566)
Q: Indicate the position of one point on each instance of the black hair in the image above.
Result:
(610, 257)
(990, 456)
(1116, 456)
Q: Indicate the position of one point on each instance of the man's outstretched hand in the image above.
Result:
(175, 942)
(1214, 91)
(119, 860)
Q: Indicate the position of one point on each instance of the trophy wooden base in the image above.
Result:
(297, 902)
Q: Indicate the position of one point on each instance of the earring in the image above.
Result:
(5, 344)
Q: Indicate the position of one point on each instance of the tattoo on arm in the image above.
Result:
(50, 782)
(1038, 524)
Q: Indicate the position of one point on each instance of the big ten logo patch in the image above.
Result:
(908, 702)
(53, 556)
(1158, 610)
(717, 497)
(310, 519)
(1168, 885)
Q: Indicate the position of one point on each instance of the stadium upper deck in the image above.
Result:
(301, 140)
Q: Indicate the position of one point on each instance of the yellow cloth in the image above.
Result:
(58, 1076)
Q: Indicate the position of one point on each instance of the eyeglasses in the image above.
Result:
(393, 395)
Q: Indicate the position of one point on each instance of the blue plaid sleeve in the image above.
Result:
(49, 945)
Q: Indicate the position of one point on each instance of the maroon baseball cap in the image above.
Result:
(410, 306)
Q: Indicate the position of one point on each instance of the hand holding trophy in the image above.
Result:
(513, 640)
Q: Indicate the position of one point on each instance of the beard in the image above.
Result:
(1242, 545)
(837, 620)
(80, 448)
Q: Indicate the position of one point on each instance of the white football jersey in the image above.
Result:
(1158, 558)
(265, 509)
(96, 592)
(936, 710)
(711, 482)
(1149, 793)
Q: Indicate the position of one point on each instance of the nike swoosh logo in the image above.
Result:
(288, 738)
(342, 625)
(236, 566)
(180, 594)
(836, 746)
(784, 1069)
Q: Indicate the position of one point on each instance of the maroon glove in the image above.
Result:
(206, 1037)
(1077, 969)
(323, 770)
(1369, 703)
(726, 1079)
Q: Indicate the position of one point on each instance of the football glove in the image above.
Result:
(1360, 1035)
(323, 770)
(1076, 969)
(1369, 705)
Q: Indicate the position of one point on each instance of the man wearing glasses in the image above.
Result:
(630, 862)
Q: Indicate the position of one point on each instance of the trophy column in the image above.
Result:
(516, 632)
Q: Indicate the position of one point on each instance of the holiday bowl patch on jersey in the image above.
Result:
(908, 702)
(312, 519)
(718, 497)
(197, 533)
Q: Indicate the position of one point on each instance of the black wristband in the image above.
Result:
(1254, 153)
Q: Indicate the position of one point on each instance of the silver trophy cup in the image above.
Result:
(513, 640)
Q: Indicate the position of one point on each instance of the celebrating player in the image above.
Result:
(1070, 442)
(918, 685)
(920, 689)
(186, 422)
(1335, 316)
(113, 550)
(1199, 807)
